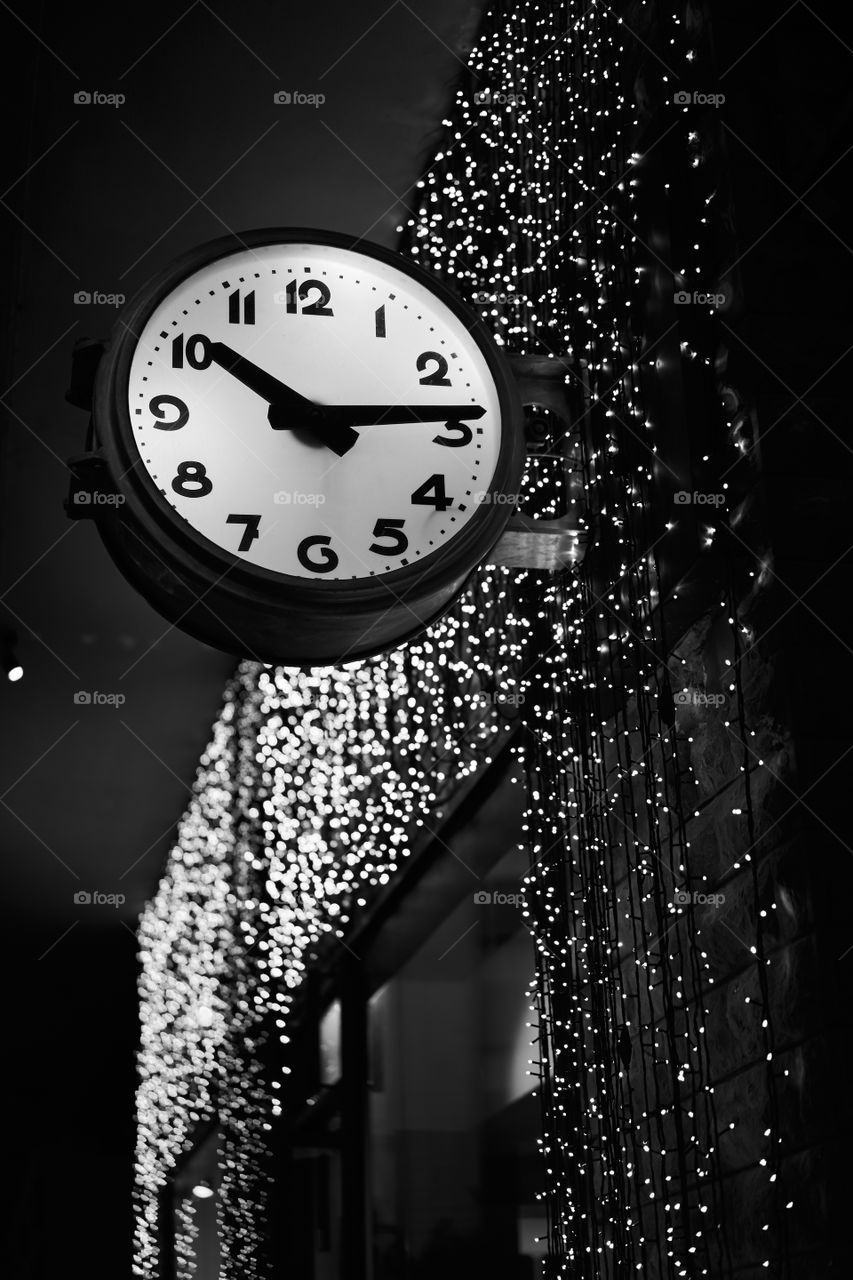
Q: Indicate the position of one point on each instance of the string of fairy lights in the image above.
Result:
(312, 793)
(315, 786)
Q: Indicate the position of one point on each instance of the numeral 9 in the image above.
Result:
(158, 407)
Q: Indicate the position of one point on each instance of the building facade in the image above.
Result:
(520, 949)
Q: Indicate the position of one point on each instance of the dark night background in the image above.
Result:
(99, 198)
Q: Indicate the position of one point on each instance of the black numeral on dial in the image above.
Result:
(432, 494)
(324, 559)
(192, 480)
(249, 533)
(238, 304)
(466, 436)
(392, 529)
(380, 321)
(158, 406)
(196, 349)
(437, 378)
(320, 305)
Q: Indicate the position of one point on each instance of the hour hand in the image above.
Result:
(257, 379)
(337, 437)
(287, 407)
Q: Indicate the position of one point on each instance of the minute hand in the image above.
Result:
(372, 415)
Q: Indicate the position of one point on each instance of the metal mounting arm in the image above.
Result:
(529, 542)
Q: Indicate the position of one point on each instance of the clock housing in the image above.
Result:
(284, 524)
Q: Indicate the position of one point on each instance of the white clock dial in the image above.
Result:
(221, 391)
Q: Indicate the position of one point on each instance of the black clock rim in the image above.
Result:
(114, 433)
(178, 614)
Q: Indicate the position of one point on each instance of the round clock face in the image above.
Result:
(314, 411)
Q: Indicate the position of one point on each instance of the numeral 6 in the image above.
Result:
(325, 559)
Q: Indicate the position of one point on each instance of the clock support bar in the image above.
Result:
(527, 542)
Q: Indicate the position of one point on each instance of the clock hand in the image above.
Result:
(283, 399)
(257, 379)
(370, 415)
(333, 424)
(337, 420)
